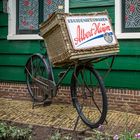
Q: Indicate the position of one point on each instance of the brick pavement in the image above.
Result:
(61, 116)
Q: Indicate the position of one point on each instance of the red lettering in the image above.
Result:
(96, 28)
(82, 35)
(99, 28)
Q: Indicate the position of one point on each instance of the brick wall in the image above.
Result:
(14, 91)
(117, 98)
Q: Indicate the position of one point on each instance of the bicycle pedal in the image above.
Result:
(47, 102)
(36, 104)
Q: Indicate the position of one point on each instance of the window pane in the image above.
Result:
(28, 16)
(131, 15)
(51, 6)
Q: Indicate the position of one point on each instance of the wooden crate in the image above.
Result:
(73, 37)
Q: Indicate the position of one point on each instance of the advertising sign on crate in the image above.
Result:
(90, 31)
(73, 37)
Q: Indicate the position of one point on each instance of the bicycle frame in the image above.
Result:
(64, 73)
(89, 61)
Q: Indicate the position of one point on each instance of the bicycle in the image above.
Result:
(85, 82)
(88, 93)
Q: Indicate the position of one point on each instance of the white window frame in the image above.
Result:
(118, 24)
(12, 23)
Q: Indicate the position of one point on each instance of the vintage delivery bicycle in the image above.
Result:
(87, 89)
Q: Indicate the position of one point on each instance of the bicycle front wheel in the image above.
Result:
(89, 96)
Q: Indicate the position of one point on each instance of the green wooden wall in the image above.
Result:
(126, 69)
(13, 54)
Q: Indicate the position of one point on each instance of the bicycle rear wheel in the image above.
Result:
(36, 70)
(89, 96)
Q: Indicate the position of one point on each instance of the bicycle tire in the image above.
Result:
(36, 67)
(82, 89)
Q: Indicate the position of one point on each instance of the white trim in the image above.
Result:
(24, 37)
(66, 6)
(118, 24)
(12, 23)
(11, 17)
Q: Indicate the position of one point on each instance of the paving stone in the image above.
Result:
(62, 116)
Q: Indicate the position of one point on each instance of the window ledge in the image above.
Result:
(128, 35)
(24, 37)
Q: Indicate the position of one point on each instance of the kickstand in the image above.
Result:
(46, 102)
(76, 123)
(33, 104)
(106, 121)
(75, 126)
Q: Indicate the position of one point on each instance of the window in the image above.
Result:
(26, 15)
(127, 19)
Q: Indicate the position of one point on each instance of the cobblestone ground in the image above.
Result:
(61, 116)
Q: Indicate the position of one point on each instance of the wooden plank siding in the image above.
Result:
(3, 19)
(90, 3)
(126, 69)
(1, 6)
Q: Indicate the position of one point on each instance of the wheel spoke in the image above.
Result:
(32, 68)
